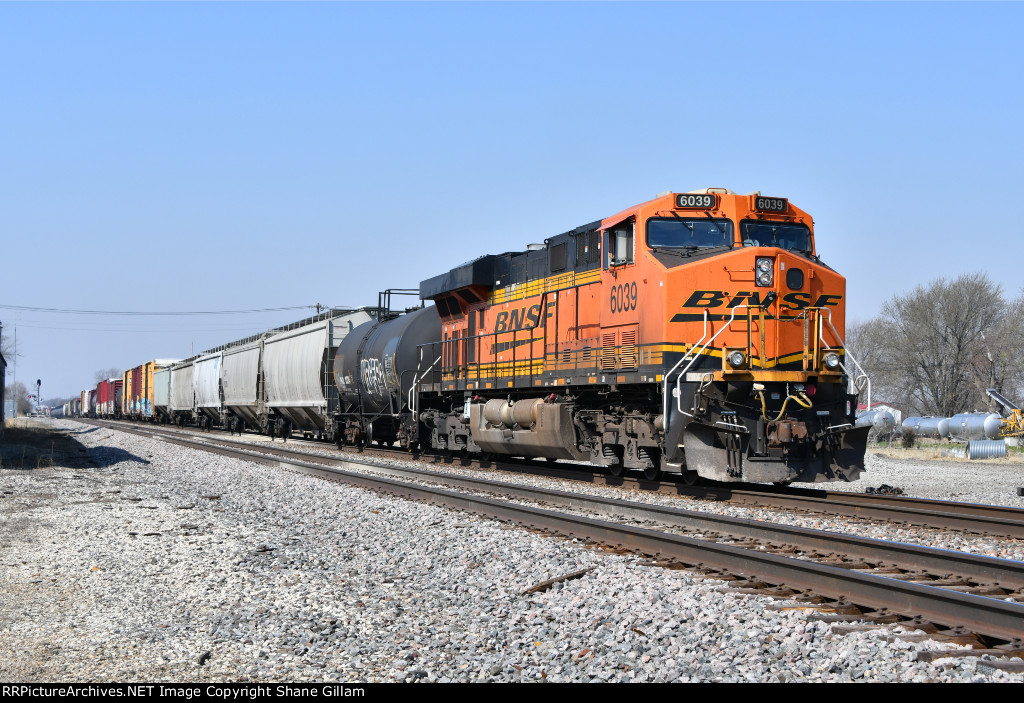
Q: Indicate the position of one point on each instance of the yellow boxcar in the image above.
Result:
(138, 397)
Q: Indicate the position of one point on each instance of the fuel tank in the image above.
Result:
(968, 426)
(880, 421)
(375, 365)
(927, 426)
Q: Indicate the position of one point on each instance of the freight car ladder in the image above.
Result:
(1013, 419)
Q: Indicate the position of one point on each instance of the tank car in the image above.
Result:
(697, 333)
(374, 372)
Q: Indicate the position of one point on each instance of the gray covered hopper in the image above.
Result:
(297, 365)
(240, 376)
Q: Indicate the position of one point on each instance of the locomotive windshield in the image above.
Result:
(696, 233)
(776, 234)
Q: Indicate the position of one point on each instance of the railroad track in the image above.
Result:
(993, 520)
(867, 579)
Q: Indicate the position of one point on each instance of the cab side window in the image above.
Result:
(620, 244)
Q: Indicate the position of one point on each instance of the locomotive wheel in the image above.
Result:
(617, 470)
(652, 474)
(691, 478)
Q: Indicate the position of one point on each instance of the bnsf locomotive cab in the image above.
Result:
(696, 333)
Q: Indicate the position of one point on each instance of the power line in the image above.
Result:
(139, 330)
(134, 312)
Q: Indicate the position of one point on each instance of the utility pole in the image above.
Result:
(991, 371)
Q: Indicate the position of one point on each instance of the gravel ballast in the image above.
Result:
(146, 561)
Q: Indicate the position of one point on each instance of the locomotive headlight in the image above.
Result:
(765, 270)
(736, 359)
(831, 361)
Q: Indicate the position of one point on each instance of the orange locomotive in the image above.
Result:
(697, 333)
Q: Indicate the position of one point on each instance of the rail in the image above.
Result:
(979, 611)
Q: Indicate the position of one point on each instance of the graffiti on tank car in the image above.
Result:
(522, 318)
(374, 380)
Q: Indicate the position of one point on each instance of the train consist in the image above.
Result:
(697, 333)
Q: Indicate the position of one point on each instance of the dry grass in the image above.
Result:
(933, 452)
(28, 443)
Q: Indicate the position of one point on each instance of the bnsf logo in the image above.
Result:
(521, 318)
(790, 301)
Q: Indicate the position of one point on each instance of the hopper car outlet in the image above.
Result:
(697, 333)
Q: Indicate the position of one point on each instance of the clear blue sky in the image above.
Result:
(267, 155)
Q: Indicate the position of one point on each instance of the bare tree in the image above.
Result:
(18, 393)
(866, 343)
(998, 365)
(104, 374)
(8, 348)
(928, 346)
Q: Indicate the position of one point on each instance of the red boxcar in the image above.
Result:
(107, 392)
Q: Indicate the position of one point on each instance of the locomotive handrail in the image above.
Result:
(701, 345)
(665, 382)
(415, 380)
(846, 352)
(679, 396)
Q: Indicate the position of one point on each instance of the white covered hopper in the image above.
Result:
(240, 382)
(297, 369)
